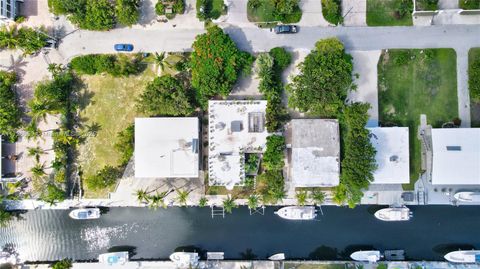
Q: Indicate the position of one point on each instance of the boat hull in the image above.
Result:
(113, 258)
(185, 259)
(85, 213)
(297, 212)
(463, 256)
(277, 257)
(366, 256)
(393, 214)
(467, 197)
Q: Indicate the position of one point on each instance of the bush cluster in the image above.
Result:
(104, 178)
(332, 11)
(125, 144)
(115, 65)
(271, 181)
(427, 5)
(10, 113)
(286, 11)
(474, 79)
(178, 7)
(27, 39)
(469, 4)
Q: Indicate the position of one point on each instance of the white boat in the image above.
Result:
(9, 258)
(467, 197)
(85, 213)
(366, 256)
(113, 258)
(297, 212)
(463, 256)
(394, 214)
(185, 259)
(277, 257)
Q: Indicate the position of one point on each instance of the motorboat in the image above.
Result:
(394, 214)
(366, 256)
(277, 257)
(85, 213)
(467, 197)
(463, 256)
(185, 259)
(6, 257)
(113, 258)
(297, 212)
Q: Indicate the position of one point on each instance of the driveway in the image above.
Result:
(354, 12)
(312, 13)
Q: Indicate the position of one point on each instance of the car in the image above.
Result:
(285, 29)
(123, 47)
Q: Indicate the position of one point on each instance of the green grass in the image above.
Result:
(469, 4)
(112, 106)
(414, 82)
(265, 12)
(215, 8)
(426, 5)
(474, 53)
(385, 13)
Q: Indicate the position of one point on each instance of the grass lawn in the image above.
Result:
(215, 8)
(112, 106)
(384, 13)
(474, 104)
(414, 82)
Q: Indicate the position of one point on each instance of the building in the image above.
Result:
(315, 154)
(166, 147)
(9, 9)
(235, 128)
(456, 156)
(392, 146)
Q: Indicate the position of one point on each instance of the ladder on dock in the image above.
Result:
(217, 211)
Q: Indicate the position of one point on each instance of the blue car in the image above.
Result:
(123, 47)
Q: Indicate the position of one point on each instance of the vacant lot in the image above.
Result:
(111, 106)
(414, 82)
(474, 55)
(389, 12)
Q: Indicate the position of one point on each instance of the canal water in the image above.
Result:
(44, 235)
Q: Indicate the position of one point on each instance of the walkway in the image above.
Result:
(462, 87)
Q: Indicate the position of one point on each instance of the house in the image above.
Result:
(9, 9)
(166, 147)
(456, 156)
(315, 153)
(392, 146)
(235, 129)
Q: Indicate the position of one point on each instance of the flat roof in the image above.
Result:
(315, 152)
(166, 147)
(393, 159)
(456, 156)
(235, 128)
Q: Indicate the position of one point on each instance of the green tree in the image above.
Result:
(160, 61)
(100, 15)
(35, 152)
(332, 11)
(324, 80)
(215, 64)
(10, 113)
(253, 201)
(270, 185)
(52, 194)
(264, 65)
(229, 204)
(165, 96)
(474, 78)
(104, 178)
(125, 144)
(5, 216)
(274, 153)
(203, 201)
(317, 196)
(182, 196)
(127, 11)
(38, 171)
(158, 200)
(282, 58)
(62, 264)
(302, 197)
(358, 162)
(142, 196)
(8, 37)
(31, 40)
(32, 130)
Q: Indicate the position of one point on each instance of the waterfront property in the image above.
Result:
(391, 144)
(456, 156)
(235, 129)
(315, 153)
(166, 147)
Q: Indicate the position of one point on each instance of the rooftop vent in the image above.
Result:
(394, 158)
(454, 148)
(236, 126)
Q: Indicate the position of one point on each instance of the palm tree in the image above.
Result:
(182, 197)
(229, 204)
(93, 128)
(8, 37)
(65, 138)
(38, 110)
(253, 201)
(142, 196)
(158, 200)
(301, 197)
(35, 152)
(203, 201)
(38, 171)
(32, 130)
(160, 61)
(318, 196)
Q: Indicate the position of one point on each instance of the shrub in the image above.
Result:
(273, 156)
(404, 7)
(160, 8)
(115, 65)
(426, 4)
(474, 79)
(104, 178)
(62, 264)
(179, 7)
(127, 12)
(99, 15)
(125, 144)
(10, 113)
(52, 194)
(270, 185)
(332, 11)
(469, 4)
(282, 58)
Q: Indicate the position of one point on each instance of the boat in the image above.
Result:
(277, 257)
(297, 212)
(114, 258)
(394, 214)
(185, 259)
(6, 257)
(366, 256)
(85, 213)
(463, 256)
(467, 197)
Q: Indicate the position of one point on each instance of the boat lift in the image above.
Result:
(259, 210)
(217, 211)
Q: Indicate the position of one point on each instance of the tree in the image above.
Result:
(5, 216)
(273, 156)
(104, 178)
(332, 11)
(52, 194)
(10, 114)
(62, 264)
(31, 40)
(270, 185)
(127, 11)
(203, 201)
(301, 197)
(32, 130)
(317, 196)
(35, 152)
(182, 197)
(264, 65)
(229, 204)
(158, 200)
(8, 37)
(215, 64)
(38, 171)
(160, 62)
(282, 58)
(125, 144)
(142, 196)
(100, 15)
(165, 96)
(324, 80)
(253, 201)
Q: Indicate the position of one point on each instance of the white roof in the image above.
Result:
(235, 128)
(392, 155)
(456, 156)
(166, 147)
(315, 153)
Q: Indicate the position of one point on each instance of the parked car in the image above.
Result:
(285, 29)
(123, 47)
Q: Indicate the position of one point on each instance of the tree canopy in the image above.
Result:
(52, 194)
(358, 162)
(273, 156)
(474, 78)
(127, 11)
(99, 15)
(216, 63)
(165, 96)
(325, 77)
(29, 40)
(10, 113)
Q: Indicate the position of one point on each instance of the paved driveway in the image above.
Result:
(354, 12)
(312, 13)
